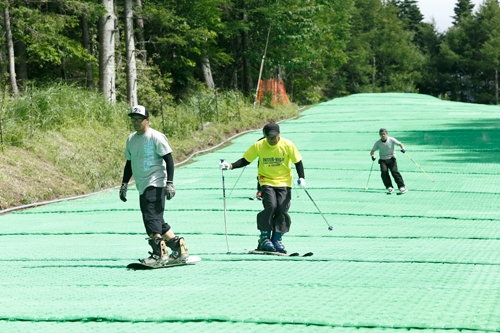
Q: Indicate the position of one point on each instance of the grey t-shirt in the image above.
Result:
(387, 148)
(146, 154)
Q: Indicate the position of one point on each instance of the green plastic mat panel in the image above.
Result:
(425, 261)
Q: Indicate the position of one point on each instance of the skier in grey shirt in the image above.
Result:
(387, 160)
(150, 161)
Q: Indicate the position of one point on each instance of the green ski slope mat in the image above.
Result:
(425, 261)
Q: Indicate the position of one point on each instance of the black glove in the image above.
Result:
(123, 192)
(403, 151)
(373, 158)
(170, 191)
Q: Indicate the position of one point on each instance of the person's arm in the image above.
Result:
(300, 169)
(170, 191)
(372, 152)
(127, 174)
(169, 160)
(242, 162)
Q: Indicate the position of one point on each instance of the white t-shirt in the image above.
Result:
(387, 148)
(146, 153)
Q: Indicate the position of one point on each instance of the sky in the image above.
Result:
(441, 11)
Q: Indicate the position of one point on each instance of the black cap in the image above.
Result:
(140, 110)
(271, 129)
(382, 130)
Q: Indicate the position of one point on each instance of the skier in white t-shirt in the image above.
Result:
(387, 160)
(149, 160)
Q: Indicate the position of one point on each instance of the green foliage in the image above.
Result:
(463, 9)
(83, 137)
(382, 54)
(471, 56)
(320, 48)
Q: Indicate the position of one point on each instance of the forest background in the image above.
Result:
(69, 70)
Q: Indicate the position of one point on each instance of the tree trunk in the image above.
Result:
(10, 46)
(496, 86)
(207, 72)
(85, 43)
(21, 64)
(374, 72)
(247, 73)
(107, 52)
(130, 51)
(139, 22)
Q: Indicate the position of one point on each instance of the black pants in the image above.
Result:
(152, 203)
(276, 202)
(392, 165)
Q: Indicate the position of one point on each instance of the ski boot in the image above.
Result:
(390, 190)
(159, 256)
(265, 243)
(179, 251)
(276, 240)
(402, 190)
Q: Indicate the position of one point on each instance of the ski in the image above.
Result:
(279, 254)
(191, 260)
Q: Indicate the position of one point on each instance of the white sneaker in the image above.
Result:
(390, 190)
(402, 190)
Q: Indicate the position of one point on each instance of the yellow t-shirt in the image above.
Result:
(274, 161)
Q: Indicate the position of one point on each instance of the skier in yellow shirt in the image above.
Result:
(275, 155)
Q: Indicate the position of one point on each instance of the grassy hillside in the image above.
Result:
(63, 141)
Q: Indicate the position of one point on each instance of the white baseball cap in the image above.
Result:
(140, 110)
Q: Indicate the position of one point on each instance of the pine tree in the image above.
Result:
(463, 8)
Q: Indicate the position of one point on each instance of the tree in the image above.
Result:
(463, 9)
(488, 17)
(382, 56)
(10, 47)
(86, 44)
(139, 22)
(130, 54)
(107, 77)
(410, 15)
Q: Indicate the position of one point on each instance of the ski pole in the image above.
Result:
(366, 187)
(329, 226)
(237, 181)
(418, 166)
(224, 199)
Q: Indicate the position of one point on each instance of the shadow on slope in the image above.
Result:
(474, 141)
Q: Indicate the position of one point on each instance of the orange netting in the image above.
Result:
(274, 90)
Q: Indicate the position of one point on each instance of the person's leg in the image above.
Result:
(265, 218)
(384, 173)
(396, 175)
(152, 203)
(177, 245)
(282, 220)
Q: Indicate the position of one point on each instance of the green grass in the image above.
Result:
(64, 141)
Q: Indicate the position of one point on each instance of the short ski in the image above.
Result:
(191, 260)
(279, 254)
